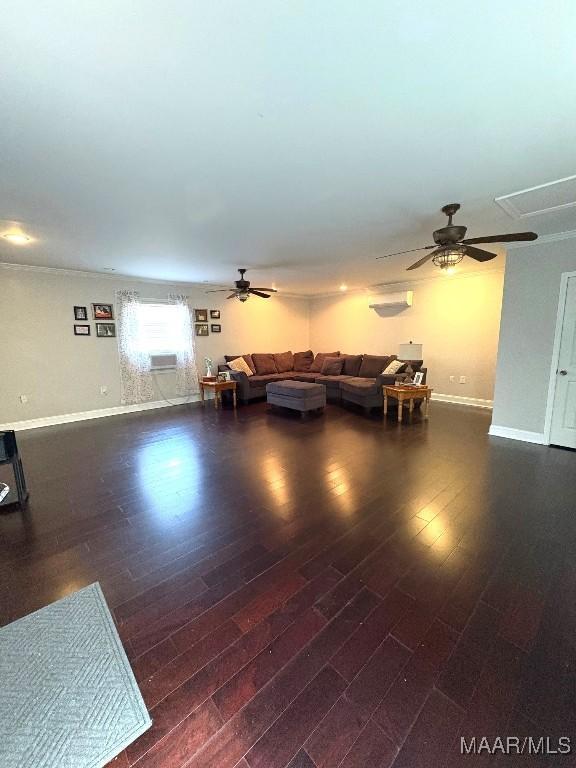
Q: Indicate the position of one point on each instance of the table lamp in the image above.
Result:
(410, 352)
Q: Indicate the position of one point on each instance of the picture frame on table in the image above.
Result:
(225, 376)
(418, 378)
(200, 315)
(103, 312)
(80, 313)
(201, 329)
(106, 330)
(81, 330)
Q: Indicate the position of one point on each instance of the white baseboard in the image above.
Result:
(517, 434)
(475, 402)
(67, 418)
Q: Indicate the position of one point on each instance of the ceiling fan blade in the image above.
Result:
(412, 250)
(256, 292)
(268, 290)
(232, 295)
(479, 254)
(423, 260)
(219, 290)
(513, 238)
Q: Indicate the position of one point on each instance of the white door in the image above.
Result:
(564, 409)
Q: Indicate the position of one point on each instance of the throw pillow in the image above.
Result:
(303, 360)
(284, 361)
(240, 366)
(264, 364)
(332, 366)
(352, 364)
(316, 366)
(393, 367)
(373, 365)
(248, 359)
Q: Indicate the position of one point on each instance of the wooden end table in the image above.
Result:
(401, 394)
(217, 387)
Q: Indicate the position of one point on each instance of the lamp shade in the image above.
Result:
(410, 351)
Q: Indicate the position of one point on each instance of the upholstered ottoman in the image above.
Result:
(300, 396)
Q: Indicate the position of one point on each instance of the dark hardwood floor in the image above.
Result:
(333, 592)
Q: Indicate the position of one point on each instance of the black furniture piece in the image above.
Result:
(9, 455)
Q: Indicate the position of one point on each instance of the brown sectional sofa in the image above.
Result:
(360, 380)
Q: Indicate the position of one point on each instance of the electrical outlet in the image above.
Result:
(452, 379)
(103, 389)
(23, 399)
(462, 379)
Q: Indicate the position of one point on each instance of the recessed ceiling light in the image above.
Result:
(17, 238)
(343, 287)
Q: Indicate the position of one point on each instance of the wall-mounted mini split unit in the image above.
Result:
(398, 300)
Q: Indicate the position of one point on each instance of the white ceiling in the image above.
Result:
(180, 140)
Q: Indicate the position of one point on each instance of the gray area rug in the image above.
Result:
(68, 697)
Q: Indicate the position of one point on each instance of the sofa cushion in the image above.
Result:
(259, 381)
(372, 365)
(264, 364)
(332, 379)
(361, 385)
(241, 366)
(319, 359)
(303, 360)
(248, 358)
(304, 376)
(331, 366)
(284, 361)
(352, 364)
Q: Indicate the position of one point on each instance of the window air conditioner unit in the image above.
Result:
(162, 362)
(397, 300)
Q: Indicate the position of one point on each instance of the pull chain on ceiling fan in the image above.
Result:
(453, 247)
(242, 290)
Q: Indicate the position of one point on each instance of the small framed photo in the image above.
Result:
(81, 330)
(200, 316)
(201, 329)
(215, 327)
(80, 313)
(102, 312)
(214, 314)
(105, 330)
(225, 376)
(418, 377)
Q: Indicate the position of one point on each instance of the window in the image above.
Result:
(161, 333)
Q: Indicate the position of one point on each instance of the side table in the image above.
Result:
(406, 393)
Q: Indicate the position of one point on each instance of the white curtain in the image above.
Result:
(186, 370)
(135, 375)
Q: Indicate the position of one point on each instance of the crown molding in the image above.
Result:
(60, 271)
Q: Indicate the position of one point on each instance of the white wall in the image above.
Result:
(61, 373)
(531, 293)
(455, 317)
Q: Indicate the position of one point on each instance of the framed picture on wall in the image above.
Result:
(200, 315)
(215, 327)
(105, 330)
(80, 313)
(214, 314)
(81, 330)
(102, 312)
(201, 329)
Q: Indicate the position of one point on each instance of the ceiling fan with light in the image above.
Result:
(242, 290)
(451, 247)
